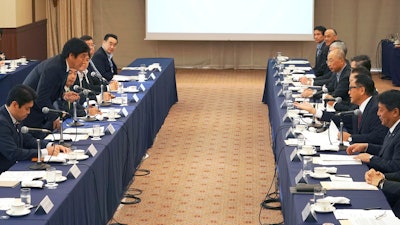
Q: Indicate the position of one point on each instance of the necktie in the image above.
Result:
(359, 118)
(111, 64)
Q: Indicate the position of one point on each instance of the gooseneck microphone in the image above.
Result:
(81, 89)
(98, 75)
(337, 99)
(351, 112)
(25, 130)
(46, 110)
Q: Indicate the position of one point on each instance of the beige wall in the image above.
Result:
(15, 13)
(40, 10)
(360, 23)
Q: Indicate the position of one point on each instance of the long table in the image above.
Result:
(390, 61)
(293, 204)
(94, 196)
(10, 79)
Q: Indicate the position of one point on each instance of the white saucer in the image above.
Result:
(22, 213)
(320, 175)
(82, 157)
(61, 179)
(320, 210)
(302, 152)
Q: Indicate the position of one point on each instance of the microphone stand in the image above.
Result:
(88, 118)
(61, 141)
(75, 122)
(103, 103)
(341, 145)
(39, 165)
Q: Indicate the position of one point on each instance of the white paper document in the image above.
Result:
(21, 175)
(344, 185)
(125, 78)
(367, 217)
(294, 61)
(328, 137)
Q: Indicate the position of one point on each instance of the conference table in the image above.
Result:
(10, 79)
(293, 204)
(95, 194)
(391, 61)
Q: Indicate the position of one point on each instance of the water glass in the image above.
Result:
(51, 178)
(307, 165)
(26, 196)
(300, 142)
(120, 87)
(72, 158)
(124, 99)
(96, 132)
(319, 193)
(111, 115)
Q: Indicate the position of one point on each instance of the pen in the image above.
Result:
(342, 175)
(370, 208)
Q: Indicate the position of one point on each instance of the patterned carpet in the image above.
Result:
(211, 162)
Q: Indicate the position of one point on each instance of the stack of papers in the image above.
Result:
(343, 185)
(336, 159)
(367, 217)
(21, 175)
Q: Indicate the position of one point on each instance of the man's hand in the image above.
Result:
(94, 111)
(373, 177)
(55, 149)
(57, 124)
(71, 96)
(365, 157)
(304, 80)
(113, 85)
(307, 93)
(345, 136)
(359, 147)
(305, 106)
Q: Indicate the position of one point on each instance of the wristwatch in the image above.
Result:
(350, 139)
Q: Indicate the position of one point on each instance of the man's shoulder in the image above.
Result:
(99, 53)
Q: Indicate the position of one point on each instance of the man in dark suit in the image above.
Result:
(385, 157)
(389, 183)
(322, 52)
(14, 145)
(48, 79)
(103, 57)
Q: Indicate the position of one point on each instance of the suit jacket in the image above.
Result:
(386, 156)
(391, 189)
(323, 79)
(47, 79)
(371, 129)
(321, 67)
(100, 60)
(341, 88)
(92, 83)
(14, 145)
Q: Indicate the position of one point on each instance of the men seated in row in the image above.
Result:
(389, 183)
(321, 54)
(385, 157)
(366, 128)
(48, 79)
(14, 145)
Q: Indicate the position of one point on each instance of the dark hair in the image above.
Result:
(74, 46)
(320, 28)
(367, 82)
(22, 94)
(362, 60)
(361, 70)
(110, 35)
(86, 38)
(391, 99)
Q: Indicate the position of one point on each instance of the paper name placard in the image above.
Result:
(280, 93)
(308, 215)
(44, 206)
(74, 172)
(110, 128)
(152, 76)
(300, 178)
(124, 112)
(135, 98)
(286, 118)
(92, 150)
(294, 157)
(141, 87)
(290, 133)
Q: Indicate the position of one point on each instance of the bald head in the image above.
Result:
(336, 60)
(330, 36)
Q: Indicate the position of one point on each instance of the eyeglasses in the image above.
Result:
(351, 87)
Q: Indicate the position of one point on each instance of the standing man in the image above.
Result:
(103, 57)
(14, 145)
(48, 79)
(321, 54)
(385, 157)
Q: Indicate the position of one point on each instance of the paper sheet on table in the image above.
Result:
(131, 68)
(336, 159)
(294, 61)
(21, 175)
(367, 217)
(323, 137)
(343, 185)
(67, 137)
(125, 78)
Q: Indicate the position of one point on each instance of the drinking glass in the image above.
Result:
(96, 132)
(51, 178)
(111, 115)
(307, 165)
(26, 196)
(319, 193)
(124, 99)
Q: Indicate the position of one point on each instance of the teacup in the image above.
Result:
(324, 204)
(320, 170)
(79, 152)
(58, 174)
(17, 206)
(308, 148)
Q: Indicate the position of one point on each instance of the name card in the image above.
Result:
(286, 118)
(278, 82)
(124, 112)
(152, 76)
(280, 93)
(294, 157)
(135, 98)
(290, 133)
(300, 178)
(92, 150)
(276, 73)
(110, 128)
(283, 105)
(74, 172)
(141, 87)
(308, 215)
(44, 206)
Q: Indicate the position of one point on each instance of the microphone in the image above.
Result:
(98, 75)
(337, 99)
(322, 91)
(46, 110)
(81, 89)
(25, 130)
(351, 112)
